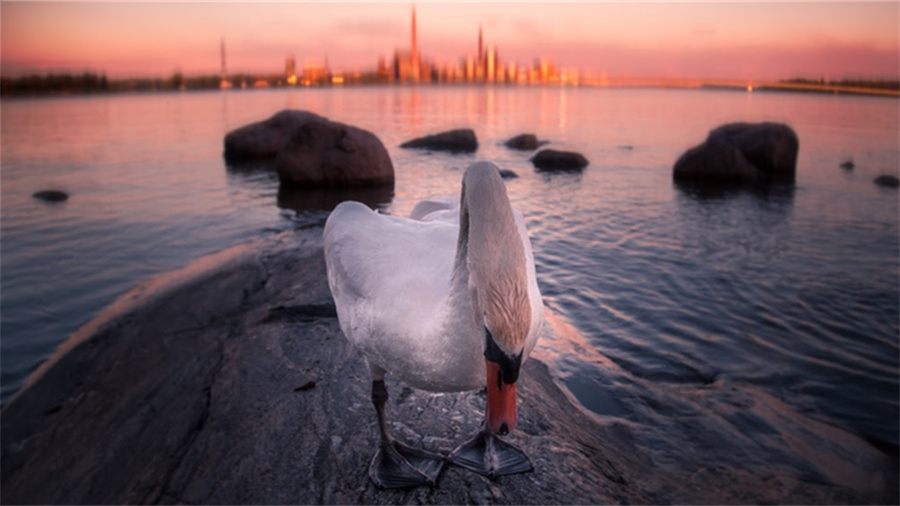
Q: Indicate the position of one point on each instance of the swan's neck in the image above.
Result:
(490, 267)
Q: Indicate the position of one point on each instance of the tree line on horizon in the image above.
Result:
(91, 82)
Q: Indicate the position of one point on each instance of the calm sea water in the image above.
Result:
(739, 321)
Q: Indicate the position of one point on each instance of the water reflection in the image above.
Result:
(261, 178)
(326, 199)
(783, 193)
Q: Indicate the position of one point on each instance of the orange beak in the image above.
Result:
(501, 402)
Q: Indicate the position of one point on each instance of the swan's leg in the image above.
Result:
(488, 455)
(396, 465)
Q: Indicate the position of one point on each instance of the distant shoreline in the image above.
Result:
(55, 85)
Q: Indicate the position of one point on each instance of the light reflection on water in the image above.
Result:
(667, 303)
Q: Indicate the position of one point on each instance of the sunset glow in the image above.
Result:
(717, 40)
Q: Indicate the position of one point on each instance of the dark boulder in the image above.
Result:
(742, 153)
(553, 160)
(887, 181)
(263, 140)
(715, 162)
(458, 141)
(51, 195)
(327, 154)
(524, 142)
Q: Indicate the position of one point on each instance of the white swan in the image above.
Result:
(446, 300)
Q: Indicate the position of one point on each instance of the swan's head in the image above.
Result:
(498, 285)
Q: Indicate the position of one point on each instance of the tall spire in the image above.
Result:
(480, 46)
(414, 48)
(222, 48)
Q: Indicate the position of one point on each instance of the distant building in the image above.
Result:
(290, 71)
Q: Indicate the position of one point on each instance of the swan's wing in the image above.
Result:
(534, 293)
(444, 209)
(388, 275)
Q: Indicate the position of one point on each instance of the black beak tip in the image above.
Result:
(504, 429)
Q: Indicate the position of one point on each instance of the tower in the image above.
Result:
(480, 55)
(222, 51)
(224, 83)
(479, 58)
(414, 48)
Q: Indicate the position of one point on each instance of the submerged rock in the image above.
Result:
(887, 181)
(327, 154)
(524, 142)
(459, 141)
(51, 195)
(742, 153)
(553, 160)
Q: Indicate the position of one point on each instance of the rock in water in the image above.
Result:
(848, 165)
(51, 195)
(458, 141)
(524, 142)
(742, 153)
(887, 181)
(327, 154)
(263, 140)
(553, 160)
(715, 162)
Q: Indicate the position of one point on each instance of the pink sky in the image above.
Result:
(769, 40)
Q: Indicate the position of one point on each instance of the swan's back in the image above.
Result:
(390, 278)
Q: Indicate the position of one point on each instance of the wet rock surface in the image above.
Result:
(230, 382)
(462, 140)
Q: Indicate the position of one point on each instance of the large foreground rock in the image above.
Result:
(458, 141)
(310, 151)
(739, 153)
(327, 154)
(262, 141)
(230, 382)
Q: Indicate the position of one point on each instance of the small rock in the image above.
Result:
(524, 142)
(508, 174)
(848, 165)
(553, 160)
(887, 181)
(458, 141)
(51, 195)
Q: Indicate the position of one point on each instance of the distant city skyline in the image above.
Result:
(730, 40)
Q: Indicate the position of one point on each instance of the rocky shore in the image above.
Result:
(229, 382)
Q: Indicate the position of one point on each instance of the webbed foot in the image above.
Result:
(488, 455)
(396, 465)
